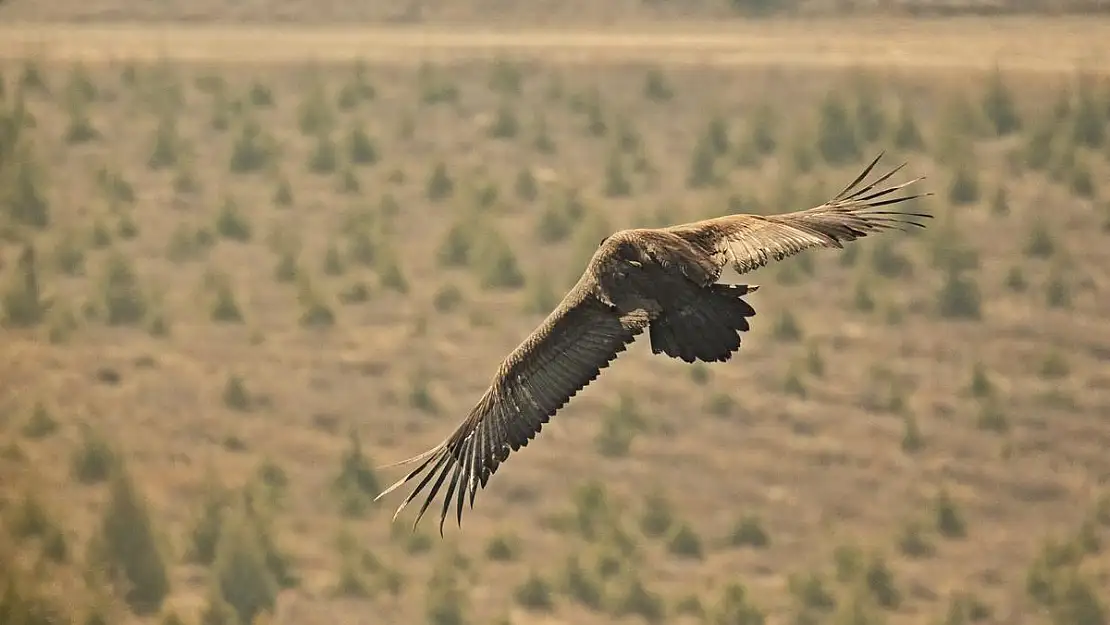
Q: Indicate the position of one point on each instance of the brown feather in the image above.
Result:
(749, 242)
(705, 323)
(557, 360)
(665, 279)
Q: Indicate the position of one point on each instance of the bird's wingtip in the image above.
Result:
(416, 458)
(397, 512)
(392, 487)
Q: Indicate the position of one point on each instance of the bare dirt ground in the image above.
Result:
(1057, 45)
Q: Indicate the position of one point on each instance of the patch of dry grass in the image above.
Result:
(244, 309)
(1015, 43)
(513, 11)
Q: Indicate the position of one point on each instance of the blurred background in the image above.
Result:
(250, 251)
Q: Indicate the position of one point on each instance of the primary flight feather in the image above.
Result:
(661, 280)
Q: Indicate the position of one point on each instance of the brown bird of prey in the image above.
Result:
(665, 281)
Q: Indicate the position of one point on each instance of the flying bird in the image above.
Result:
(665, 281)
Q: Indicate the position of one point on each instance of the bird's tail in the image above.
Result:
(706, 326)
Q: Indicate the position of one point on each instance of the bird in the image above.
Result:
(665, 281)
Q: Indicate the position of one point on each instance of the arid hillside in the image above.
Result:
(229, 291)
(502, 12)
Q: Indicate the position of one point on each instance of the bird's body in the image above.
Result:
(664, 281)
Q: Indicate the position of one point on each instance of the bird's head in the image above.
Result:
(629, 253)
(622, 250)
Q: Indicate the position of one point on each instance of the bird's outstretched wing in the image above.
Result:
(563, 355)
(749, 242)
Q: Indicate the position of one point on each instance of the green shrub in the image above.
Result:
(949, 520)
(964, 188)
(356, 484)
(617, 183)
(80, 128)
(998, 106)
(811, 592)
(283, 194)
(735, 608)
(315, 312)
(534, 593)
(167, 145)
(1088, 127)
(635, 599)
(837, 140)
(240, 570)
(502, 548)
(581, 585)
(959, 297)
(446, 603)
(497, 265)
(235, 395)
(1041, 243)
(29, 517)
(253, 150)
(325, 156)
(439, 186)
(992, 418)
(656, 87)
(205, 533)
(123, 299)
(685, 543)
(870, 117)
(787, 328)
(23, 305)
(361, 149)
(505, 124)
(260, 95)
(880, 583)
(225, 309)
(749, 532)
(543, 141)
(94, 461)
(912, 440)
(231, 223)
(314, 114)
(913, 541)
(128, 548)
(702, 171)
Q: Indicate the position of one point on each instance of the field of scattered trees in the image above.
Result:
(227, 293)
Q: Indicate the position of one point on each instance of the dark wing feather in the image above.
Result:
(559, 358)
(751, 241)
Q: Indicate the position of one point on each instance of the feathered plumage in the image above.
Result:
(662, 280)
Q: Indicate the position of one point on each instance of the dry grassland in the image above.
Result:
(901, 45)
(238, 266)
(512, 12)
